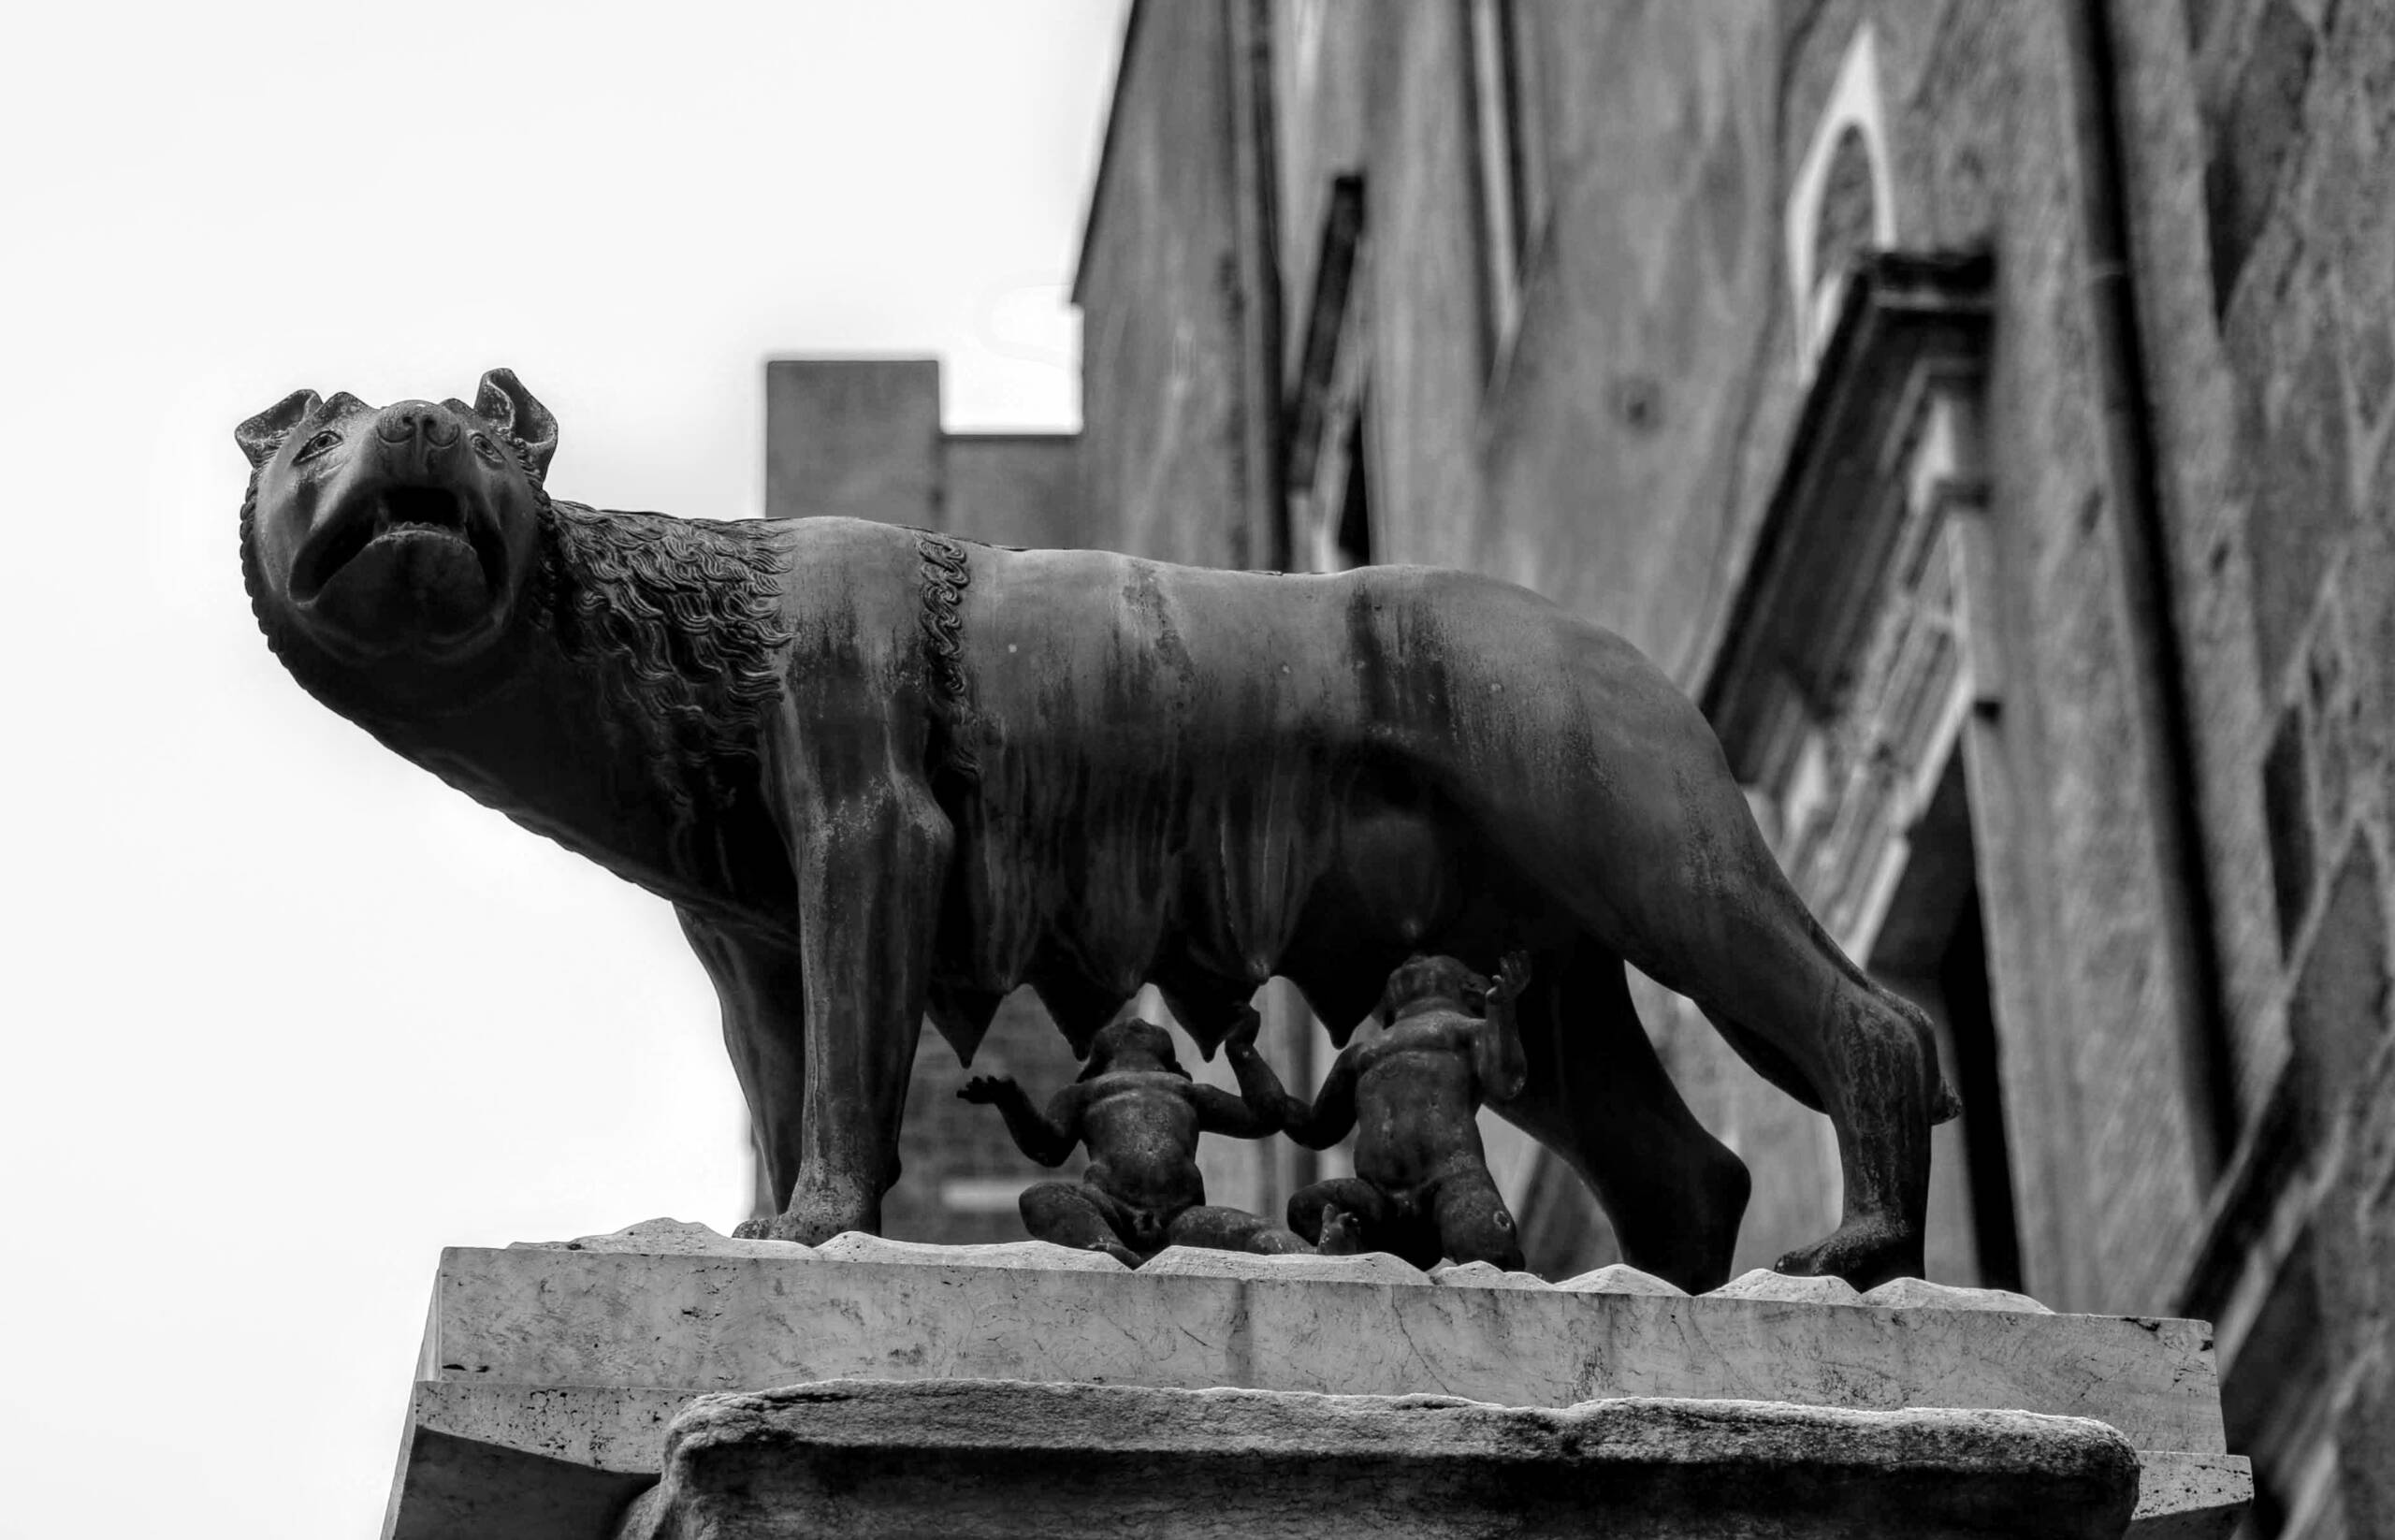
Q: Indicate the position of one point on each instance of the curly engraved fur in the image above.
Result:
(682, 619)
(945, 572)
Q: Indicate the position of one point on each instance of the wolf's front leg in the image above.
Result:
(871, 867)
(762, 986)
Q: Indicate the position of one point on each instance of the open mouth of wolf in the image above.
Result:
(393, 521)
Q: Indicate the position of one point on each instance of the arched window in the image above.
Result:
(1841, 203)
(1842, 231)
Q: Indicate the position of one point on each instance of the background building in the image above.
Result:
(1982, 407)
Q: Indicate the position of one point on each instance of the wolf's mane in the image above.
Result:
(680, 620)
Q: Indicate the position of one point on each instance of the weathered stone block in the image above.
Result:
(1764, 1283)
(1620, 1278)
(1485, 1275)
(1920, 1293)
(2255, 136)
(856, 1246)
(2190, 1497)
(1371, 1267)
(1049, 1462)
(551, 1375)
(2341, 990)
(671, 1237)
(2302, 501)
(701, 1323)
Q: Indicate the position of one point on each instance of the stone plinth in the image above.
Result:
(1002, 1460)
(552, 1377)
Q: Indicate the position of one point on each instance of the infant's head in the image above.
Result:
(1132, 1044)
(1422, 977)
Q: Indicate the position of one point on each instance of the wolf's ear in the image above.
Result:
(263, 434)
(504, 400)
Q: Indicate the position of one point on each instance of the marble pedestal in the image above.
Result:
(871, 1387)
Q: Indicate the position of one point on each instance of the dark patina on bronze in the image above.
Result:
(1408, 1085)
(1191, 777)
(945, 572)
(1140, 1114)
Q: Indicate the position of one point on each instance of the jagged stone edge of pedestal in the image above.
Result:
(1896, 1294)
(688, 1238)
(682, 1236)
(1486, 1275)
(671, 1237)
(1371, 1266)
(1620, 1278)
(1764, 1283)
(1921, 1294)
(857, 1246)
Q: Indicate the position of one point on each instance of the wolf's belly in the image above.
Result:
(1198, 878)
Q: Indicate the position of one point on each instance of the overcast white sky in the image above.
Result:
(283, 1014)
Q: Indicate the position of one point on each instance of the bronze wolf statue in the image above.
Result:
(883, 774)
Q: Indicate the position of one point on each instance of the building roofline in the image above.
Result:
(1106, 146)
(1009, 435)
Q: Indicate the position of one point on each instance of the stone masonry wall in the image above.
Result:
(2262, 132)
(1160, 303)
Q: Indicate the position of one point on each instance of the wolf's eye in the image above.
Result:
(317, 445)
(486, 449)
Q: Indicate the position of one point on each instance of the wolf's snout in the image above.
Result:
(420, 423)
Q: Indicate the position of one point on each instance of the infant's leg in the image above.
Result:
(1368, 1211)
(1073, 1214)
(1472, 1220)
(1230, 1229)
